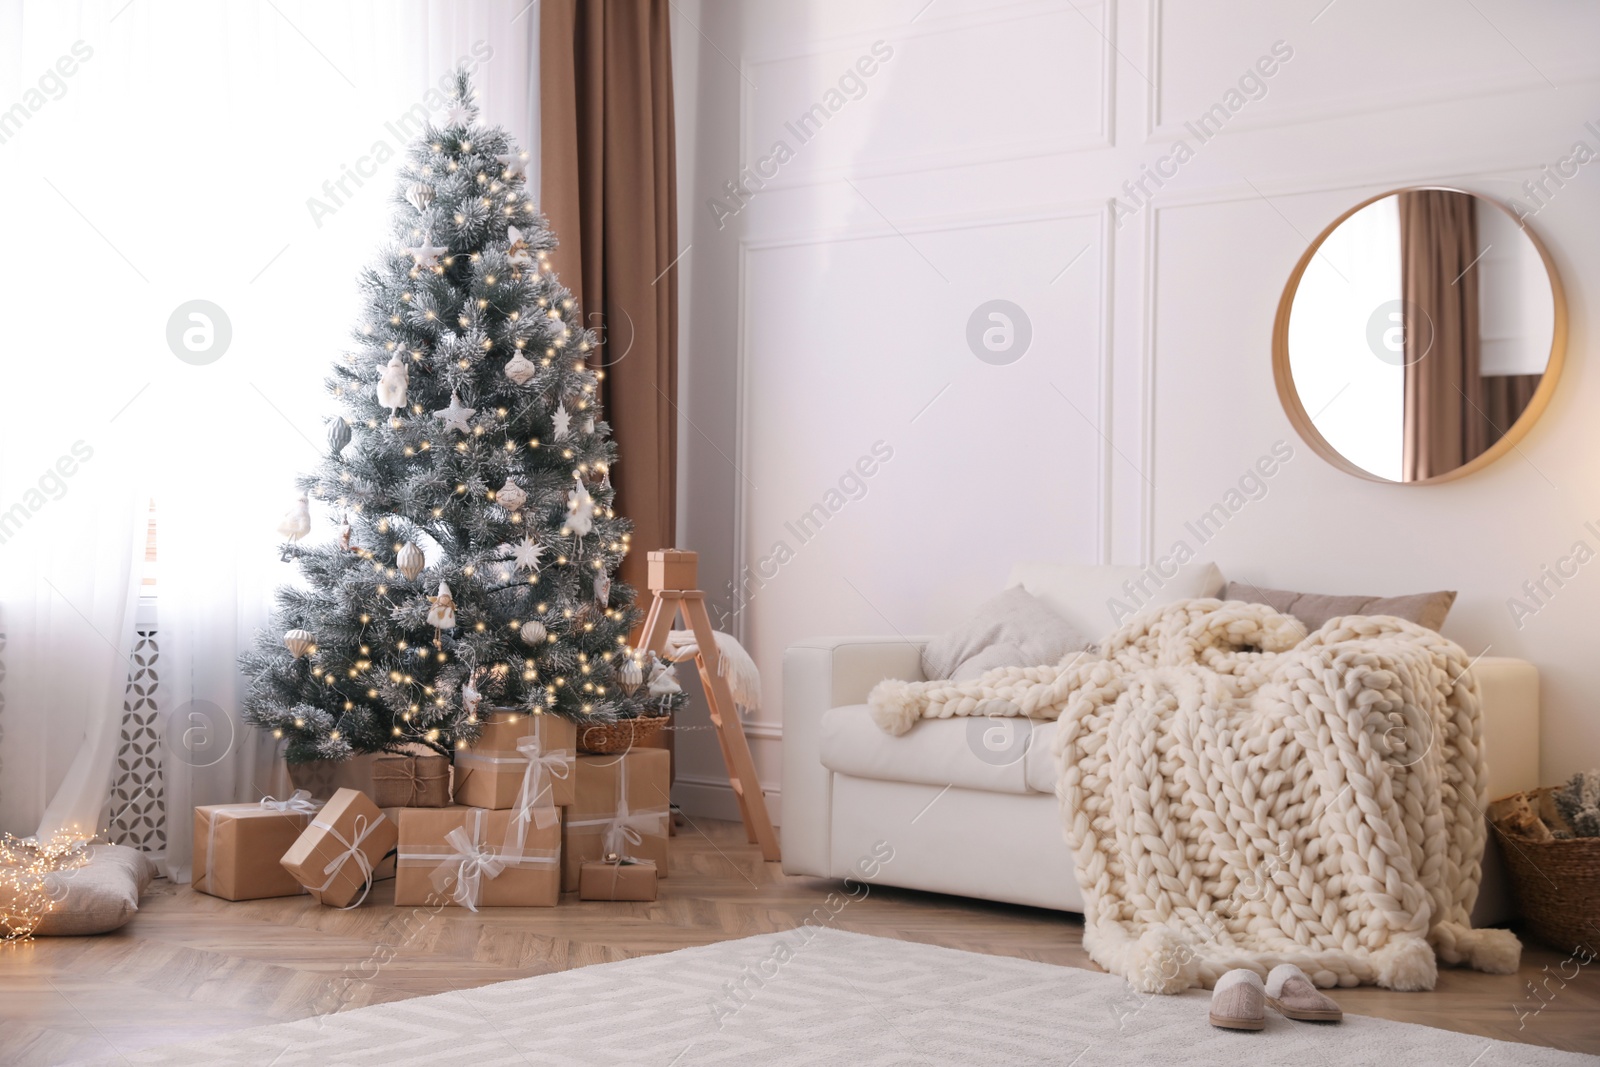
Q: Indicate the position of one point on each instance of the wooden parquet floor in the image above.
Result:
(190, 965)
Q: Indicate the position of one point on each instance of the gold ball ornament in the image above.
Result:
(630, 676)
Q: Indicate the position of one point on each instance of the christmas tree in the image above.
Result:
(469, 479)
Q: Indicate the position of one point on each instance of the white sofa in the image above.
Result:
(969, 805)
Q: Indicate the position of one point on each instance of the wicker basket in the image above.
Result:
(1557, 884)
(610, 738)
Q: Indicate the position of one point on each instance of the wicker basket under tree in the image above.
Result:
(1556, 879)
(611, 738)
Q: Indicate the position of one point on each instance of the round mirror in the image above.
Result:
(1419, 336)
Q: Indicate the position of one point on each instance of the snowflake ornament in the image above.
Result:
(526, 555)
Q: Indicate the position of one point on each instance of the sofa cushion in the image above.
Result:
(1039, 764)
(971, 753)
(1097, 599)
(1014, 629)
(1314, 609)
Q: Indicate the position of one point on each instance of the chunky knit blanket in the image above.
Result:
(1238, 793)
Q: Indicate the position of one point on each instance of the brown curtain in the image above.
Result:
(1445, 422)
(608, 183)
(1505, 398)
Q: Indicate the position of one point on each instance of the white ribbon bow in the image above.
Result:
(299, 802)
(467, 867)
(352, 851)
(625, 830)
(535, 784)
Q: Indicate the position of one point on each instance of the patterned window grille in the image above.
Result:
(136, 812)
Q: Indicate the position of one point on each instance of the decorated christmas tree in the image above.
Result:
(468, 482)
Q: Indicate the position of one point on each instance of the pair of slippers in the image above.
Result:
(1240, 999)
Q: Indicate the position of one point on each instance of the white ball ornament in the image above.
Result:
(410, 561)
(298, 642)
(338, 435)
(420, 195)
(533, 632)
(511, 496)
(520, 369)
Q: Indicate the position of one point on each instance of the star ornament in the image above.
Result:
(426, 254)
(526, 555)
(456, 415)
(513, 166)
(563, 422)
(459, 115)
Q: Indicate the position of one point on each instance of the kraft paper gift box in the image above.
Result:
(391, 779)
(476, 858)
(237, 847)
(384, 868)
(522, 762)
(619, 807)
(621, 880)
(337, 855)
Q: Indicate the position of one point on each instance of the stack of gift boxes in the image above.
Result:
(518, 819)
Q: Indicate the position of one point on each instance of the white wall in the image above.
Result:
(981, 162)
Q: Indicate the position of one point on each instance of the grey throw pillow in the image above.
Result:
(1015, 629)
(1314, 609)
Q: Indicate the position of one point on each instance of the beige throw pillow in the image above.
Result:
(1015, 629)
(98, 897)
(1314, 609)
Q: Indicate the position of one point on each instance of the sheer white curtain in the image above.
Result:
(238, 153)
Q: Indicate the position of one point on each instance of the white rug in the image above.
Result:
(838, 998)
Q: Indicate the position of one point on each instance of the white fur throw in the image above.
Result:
(1239, 794)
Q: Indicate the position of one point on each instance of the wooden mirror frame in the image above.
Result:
(1541, 397)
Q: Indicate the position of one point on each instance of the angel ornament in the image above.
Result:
(580, 515)
(295, 524)
(517, 250)
(470, 696)
(442, 616)
(392, 385)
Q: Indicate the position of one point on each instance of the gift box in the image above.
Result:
(236, 847)
(621, 879)
(523, 762)
(337, 855)
(391, 779)
(384, 868)
(476, 858)
(619, 807)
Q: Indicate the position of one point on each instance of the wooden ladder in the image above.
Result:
(673, 580)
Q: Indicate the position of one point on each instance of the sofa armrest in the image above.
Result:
(1510, 694)
(819, 674)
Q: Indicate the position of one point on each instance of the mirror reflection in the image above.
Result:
(1420, 330)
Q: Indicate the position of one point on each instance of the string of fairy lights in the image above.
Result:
(33, 877)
